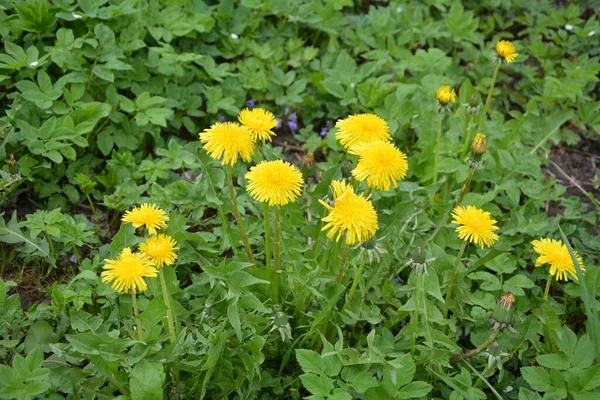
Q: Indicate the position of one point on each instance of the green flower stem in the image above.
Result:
(425, 315)
(265, 208)
(167, 300)
(136, 315)
(452, 278)
(438, 138)
(91, 203)
(357, 279)
(276, 261)
(466, 186)
(415, 316)
(488, 100)
(238, 218)
(468, 136)
(476, 350)
(343, 258)
(545, 305)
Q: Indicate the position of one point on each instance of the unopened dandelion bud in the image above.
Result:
(419, 255)
(370, 244)
(479, 145)
(474, 105)
(445, 96)
(503, 313)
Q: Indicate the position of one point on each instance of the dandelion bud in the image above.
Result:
(419, 255)
(420, 261)
(503, 313)
(479, 145)
(445, 96)
(473, 107)
(370, 244)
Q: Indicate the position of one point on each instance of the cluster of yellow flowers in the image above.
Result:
(128, 271)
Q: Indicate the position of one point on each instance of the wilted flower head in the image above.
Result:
(160, 249)
(475, 225)
(381, 164)
(503, 313)
(506, 50)
(128, 271)
(148, 215)
(274, 182)
(362, 128)
(228, 141)
(555, 253)
(260, 121)
(351, 214)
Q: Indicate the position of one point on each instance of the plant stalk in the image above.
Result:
(136, 315)
(452, 279)
(343, 258)
(466, 186)
(415, 316)
(476, 350)
(276, 255)
(238, 218)
(468, 135)
(545, 305)
(167, 300)
(265, 208)
(437, 149)
(488, 100)
(357, 279)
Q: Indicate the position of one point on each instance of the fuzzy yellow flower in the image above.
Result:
(160, 249)
(381, 164)
(475, 225)
(479, 145)
(147, 215)
(274, 182)
(555, 253)
(362, 128)
(446, 95)
(228, 141)
(506, 50)
(351, 214)
(128, 271)
(260, 121)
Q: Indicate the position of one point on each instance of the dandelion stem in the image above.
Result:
(343, 258)
(545, 305)
(357, 279)
(476, 350)
(167, 300)
(466, 186)
(276, 261)
(238, 218)
(136, 315)
(488, 100)
(265, 207)
(452, 278)
(437, 148)
(425, 315)
(468, 135)
(415, 316)
(91, 202)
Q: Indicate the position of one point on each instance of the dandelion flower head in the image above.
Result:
(351, 214)
(475, 225)
(260, 121)
(128, 271)
(362, 128)
(506, 50)
(274, 182)
(555, 253)
(446, 95)
(160, 249)
(381, 164)
(228, 141)
(148, 215)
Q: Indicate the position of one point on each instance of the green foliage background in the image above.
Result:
(101, 106)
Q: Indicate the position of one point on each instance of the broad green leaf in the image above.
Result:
(537, 378)
(146, 381)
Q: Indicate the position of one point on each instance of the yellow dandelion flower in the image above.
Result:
(128, 271)
(338, 188)
(381, 164)
(555, 253)
(479, 145)
(160, 249)
(351, 214)
(275, 182)
(149, 215)
(475, 225)
(228, 141)
(446, 95)
(362, 128)
(260, 121)
(506, 50)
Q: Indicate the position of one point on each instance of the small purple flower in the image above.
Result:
(251, 103)
(221, 118)
(188, 175)
(73, 260)
(19, 244)
(399, 280)
(286, 111)
(324, 131)
(198, 177)
(293, 117)
(278, 122)
(292, 125)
